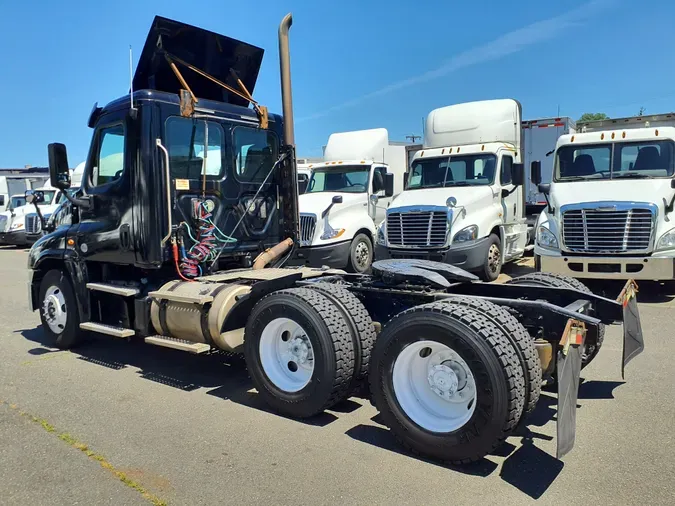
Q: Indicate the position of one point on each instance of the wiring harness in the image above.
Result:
(209, 239)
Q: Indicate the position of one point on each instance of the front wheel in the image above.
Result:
(58, 310)
(361, 254)
(492, 265)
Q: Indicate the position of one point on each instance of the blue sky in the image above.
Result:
(355, 64)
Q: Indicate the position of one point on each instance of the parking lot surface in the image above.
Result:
(122, 423)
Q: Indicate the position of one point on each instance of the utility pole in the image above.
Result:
(413, 137)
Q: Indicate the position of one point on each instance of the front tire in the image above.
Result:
(299, 352)
(492, 265)
(424, 359)
(361, 254)
(58, 310)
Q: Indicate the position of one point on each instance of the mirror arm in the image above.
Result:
(84, 203)
(669, 206)
(43, 222)
(550, 208)
(327, 210)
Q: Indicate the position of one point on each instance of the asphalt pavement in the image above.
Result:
(127, 423)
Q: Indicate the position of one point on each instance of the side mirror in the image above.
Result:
(544, 188)
(535, 172)
(672, 184)
(34, 197)
(388, 185)
(374, 199)
(337, 199)
(518, 174)
(59, 173)
(405, 179)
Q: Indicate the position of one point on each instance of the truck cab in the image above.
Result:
(463, 202)
(610, 206)
(347, 194)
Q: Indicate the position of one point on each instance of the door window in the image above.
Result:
(505, 172)
(109, 162)
(380, 173)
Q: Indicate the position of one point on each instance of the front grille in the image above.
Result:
(613, 231)
(417, 228)
(32, 224)
(3, 223)
(307, 227)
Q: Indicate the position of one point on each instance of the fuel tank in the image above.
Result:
(195, 311)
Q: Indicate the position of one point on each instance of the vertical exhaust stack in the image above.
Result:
(285, 66)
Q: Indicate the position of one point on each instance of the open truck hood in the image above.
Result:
(208, 51)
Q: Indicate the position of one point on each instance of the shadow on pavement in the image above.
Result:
(525, 466)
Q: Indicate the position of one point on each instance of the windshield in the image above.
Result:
(638, 160)
(344, 179)
(468, 170)
(49, 196)
(17, 202)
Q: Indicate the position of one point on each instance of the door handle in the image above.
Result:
(125, 237)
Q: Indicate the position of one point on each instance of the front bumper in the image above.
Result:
(334, 255)
(640, 268)
(17, 238)
(469, 255)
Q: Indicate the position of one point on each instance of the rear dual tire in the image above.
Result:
(424, 359)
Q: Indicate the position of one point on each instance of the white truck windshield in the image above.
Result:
(343, 179)
(636, 160)
(467, 170)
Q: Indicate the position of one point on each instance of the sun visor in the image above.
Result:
(208, 51)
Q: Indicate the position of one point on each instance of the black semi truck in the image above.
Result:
(179, 234)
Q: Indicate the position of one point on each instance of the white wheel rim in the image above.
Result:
(434, 386)
(286, 355)
(54, 309)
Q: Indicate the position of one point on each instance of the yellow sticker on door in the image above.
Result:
(182, 184)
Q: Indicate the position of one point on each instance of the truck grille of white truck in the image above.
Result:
(307, 227)
(32, 224)
(598, 230)
(3, 223)
(417, 228)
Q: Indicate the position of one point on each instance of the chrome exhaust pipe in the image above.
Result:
(285, 67)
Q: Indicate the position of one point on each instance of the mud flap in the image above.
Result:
(633, 341)
(568, 371)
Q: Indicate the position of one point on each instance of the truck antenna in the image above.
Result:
(131, 77)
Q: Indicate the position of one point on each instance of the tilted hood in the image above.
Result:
(208, 51)
(466, 196)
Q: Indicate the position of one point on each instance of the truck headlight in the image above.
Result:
(466, 234)
(331, 233)
(381, 239)
(546, 238)
(17, 225)
(667, 240)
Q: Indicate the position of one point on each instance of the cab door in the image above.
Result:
(104, 233)
(378, 211)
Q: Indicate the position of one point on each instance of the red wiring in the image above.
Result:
(175, 259)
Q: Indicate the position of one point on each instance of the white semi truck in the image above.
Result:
(610, 212)
(347, 194)
(464, 201)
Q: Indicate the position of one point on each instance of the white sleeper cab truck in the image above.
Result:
(610, 206)
(347, 194)
(463, 202)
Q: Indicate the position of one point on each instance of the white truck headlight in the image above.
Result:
(17, 225)
(667, 240)
(381, 239)
(331, 233)
(466, 234)
(546, 238)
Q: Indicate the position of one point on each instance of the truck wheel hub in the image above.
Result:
(299, 349)
(54, 309)
(443, 381)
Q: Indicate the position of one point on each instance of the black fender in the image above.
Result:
(52, 252)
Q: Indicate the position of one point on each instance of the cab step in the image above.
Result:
(110, 330)
(178, 344)
(124, 291)
(176, 297)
